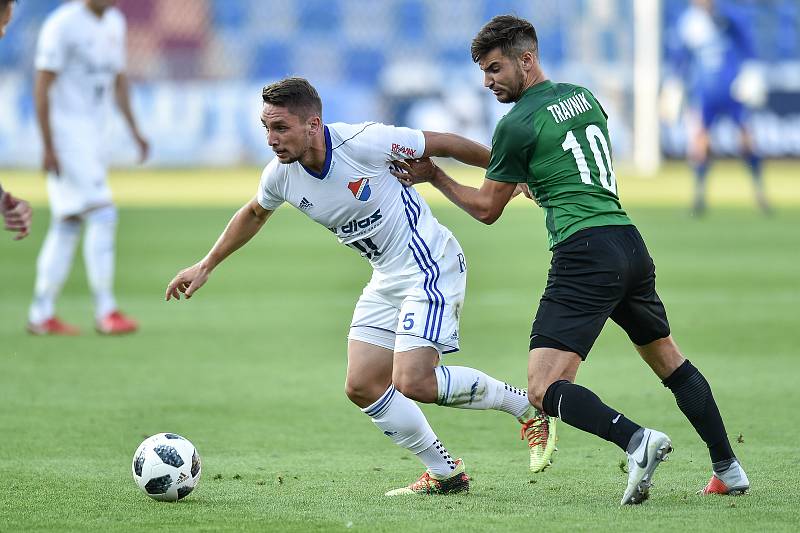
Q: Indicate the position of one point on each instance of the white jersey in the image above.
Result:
(357, 198)
(87, 53)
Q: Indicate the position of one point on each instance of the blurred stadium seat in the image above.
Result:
(348, 46)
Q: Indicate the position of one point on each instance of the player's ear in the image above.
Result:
(527, 60)
(314, 125)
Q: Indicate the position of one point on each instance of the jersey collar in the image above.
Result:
(328, 153)
(538, 88)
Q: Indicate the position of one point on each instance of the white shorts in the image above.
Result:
(401, 312)
(82, 183)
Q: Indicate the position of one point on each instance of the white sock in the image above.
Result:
(401, 420)
(467, 388)
(437, 459)
(53, 266)
(98, 254)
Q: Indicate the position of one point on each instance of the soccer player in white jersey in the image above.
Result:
(16, 212)
(80, 62)
(407, 316)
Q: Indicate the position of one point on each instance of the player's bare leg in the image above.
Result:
(753, 160)
(700, 157)
(693, 395)
(419, 376)
(551, 373)
(369, 372)
(368, 385)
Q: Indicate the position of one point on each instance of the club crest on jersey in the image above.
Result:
(360, 189)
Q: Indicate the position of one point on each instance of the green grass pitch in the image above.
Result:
(252, 371)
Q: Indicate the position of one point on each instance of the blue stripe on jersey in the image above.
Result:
(433, 326)
(434, 285)
(433, 302)
(382, 403)
(425, 269)
(435, 265)
(328, 156)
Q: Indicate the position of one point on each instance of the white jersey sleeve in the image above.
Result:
(119, 59)
(272, 189)
(51, 49)
(380, 143)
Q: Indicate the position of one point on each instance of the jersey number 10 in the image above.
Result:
(594, 136)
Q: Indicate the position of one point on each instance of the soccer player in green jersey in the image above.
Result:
(553, 146)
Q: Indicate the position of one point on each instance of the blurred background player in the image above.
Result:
(80, 62)
(713, 52)
(15, 211)
(408, 314)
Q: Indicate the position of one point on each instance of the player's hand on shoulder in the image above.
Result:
(412, 171)
(187, 281)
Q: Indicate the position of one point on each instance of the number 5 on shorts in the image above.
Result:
(408, 322)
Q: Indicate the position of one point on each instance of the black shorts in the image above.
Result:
(595, 274)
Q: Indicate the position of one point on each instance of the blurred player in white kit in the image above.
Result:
(80, 63)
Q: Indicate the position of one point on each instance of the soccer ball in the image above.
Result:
(166, 467)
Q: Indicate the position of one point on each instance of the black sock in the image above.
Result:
(693, 394)
(581, 408)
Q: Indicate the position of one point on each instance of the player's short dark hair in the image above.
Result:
(295, 94)
(513, 35)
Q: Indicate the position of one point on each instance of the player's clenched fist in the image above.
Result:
(187, 281)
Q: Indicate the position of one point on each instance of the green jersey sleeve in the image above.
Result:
(513, 143)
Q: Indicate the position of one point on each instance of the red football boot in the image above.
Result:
(732, 481)
(52, 326)
(115, 323)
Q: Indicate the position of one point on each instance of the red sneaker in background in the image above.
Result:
(52, 326)
(115, 323)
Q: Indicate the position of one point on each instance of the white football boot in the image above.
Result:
(642, 462)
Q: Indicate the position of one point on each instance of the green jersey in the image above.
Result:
(555, 139)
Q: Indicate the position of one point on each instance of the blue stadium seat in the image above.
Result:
(454, 55)
(493, 8)
(411, 20)
(363, 65)
(10, 53)
(271, 60)
(319, 17)
(787, 33)
(36, 9)
(551, 45)
(608, 45)
(229, 15)
(670, 11)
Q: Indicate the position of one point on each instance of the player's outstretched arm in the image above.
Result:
(455, 146)
(243, 226)
(485, 204)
